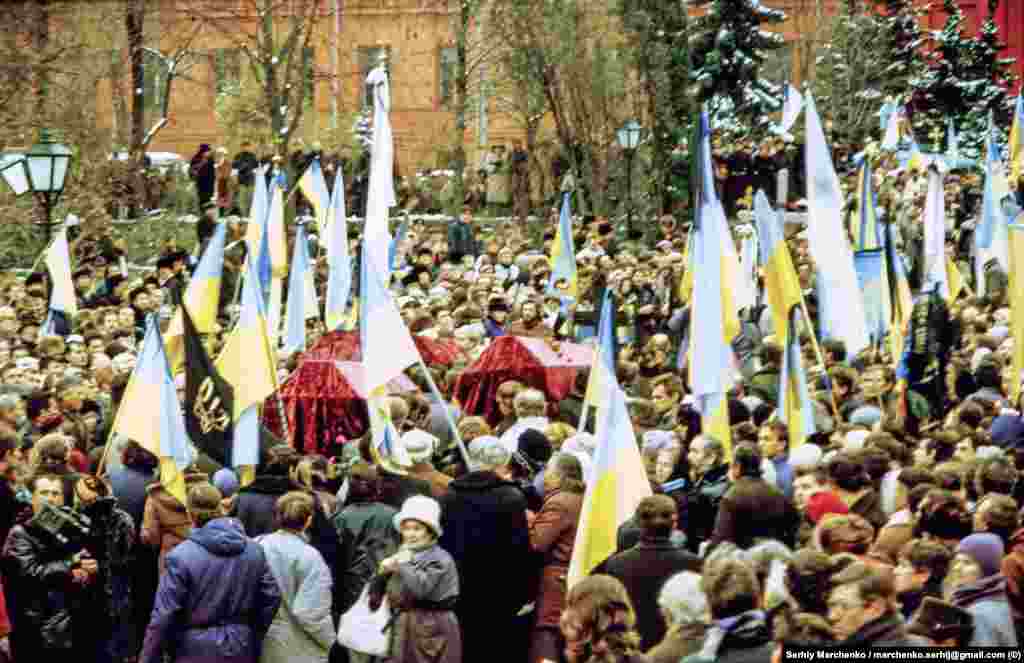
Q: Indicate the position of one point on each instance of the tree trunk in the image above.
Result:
(267, 57)
(40, 41)
(461, 100)
(134, 19)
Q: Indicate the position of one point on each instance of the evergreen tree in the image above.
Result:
(658, 33)
(728, 49)
(966, 79)
(851, 74)
(900, 45)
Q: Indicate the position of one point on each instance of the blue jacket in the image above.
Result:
(216, 599)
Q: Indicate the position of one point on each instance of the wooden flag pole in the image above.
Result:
(447, 413)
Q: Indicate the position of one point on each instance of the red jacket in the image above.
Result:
(1013, 568)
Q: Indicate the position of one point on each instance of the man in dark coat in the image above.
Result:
(485, 530)
(218, 596)
(254, 504)
(753, 509)
(461, 241)
(739, 631)
(861, 609)
(42, 579)
(644, 568)
(709, 482)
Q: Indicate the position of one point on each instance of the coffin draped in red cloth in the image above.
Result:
(527, 360)
(321, 404)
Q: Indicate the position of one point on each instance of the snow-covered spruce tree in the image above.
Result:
(727, 49)
(901, 46)
(851, 74)
(964, 80)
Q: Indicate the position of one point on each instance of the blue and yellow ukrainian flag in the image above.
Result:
(795, 407)
(618, 483)
(302, 301)
(867, 235)
(602, 370)
(563, 252)
(314, 188)
(713, 323)
(339, 262)
(781, 285)
(1017, 139)
(247, 363)
(151, 415)
(202, 297)
(1016, 297)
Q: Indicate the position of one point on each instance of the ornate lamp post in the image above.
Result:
(42, 170)
(629, 139)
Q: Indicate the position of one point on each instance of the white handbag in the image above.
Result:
(362, 629)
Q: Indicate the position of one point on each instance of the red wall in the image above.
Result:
(1009, 17)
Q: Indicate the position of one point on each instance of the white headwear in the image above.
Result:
(423, 509)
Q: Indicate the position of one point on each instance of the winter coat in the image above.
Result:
(39, 590)
(483, 519)
(643, 570)
(1013, 570)
(302, 630)
(889, 630)
(748, 640)
(678, 642)
(421, 593)
(754, 509)
(700, 507)
(109, 604)
(254, 505)
(460, 239)
(128, 485)
(987, 602)
(367, 533)
(552, 534)
(216, 600)
(165, 523)
(869, 507)
(438, 480)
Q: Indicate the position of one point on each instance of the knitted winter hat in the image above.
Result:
(985, 549)
(225, 481)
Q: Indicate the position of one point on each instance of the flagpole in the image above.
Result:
(447, 413)
(818, 353)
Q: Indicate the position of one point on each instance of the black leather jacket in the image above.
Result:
(701, 505)
(38, 584)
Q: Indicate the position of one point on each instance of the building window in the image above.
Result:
(227, 69)
(369, 58)
(447, 61)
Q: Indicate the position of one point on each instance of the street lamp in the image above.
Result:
(41, 170)
(629, 138)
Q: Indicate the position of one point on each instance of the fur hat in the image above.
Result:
(421, 509)
(420, 445)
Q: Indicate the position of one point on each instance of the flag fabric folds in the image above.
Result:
(991, 236)
(563, 252)
(1017, 139)
(387, 345)
(713, 321)
(1016, 297)
(150, 413)
(302, 301)
(874, 286)
(339, 262)
(314, 188)
(209, 398)
(795, 407)
(602, 371)
(258, 209)
(891, 140)
(380, 196)
(63, 304)
(781, 285)
(867, 234)
(935, 235)
(792, 103)
(843, 316)
(618, 484)
(202, 298)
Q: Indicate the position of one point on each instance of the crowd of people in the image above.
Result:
(896, 523)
